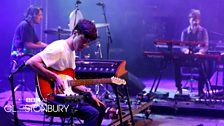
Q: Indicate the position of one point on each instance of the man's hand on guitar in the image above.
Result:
(59, 85)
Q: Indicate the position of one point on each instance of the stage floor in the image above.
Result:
(165, 112)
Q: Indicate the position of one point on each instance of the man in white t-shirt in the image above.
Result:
(59, 56)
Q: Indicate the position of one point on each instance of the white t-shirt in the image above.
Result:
(58, 56)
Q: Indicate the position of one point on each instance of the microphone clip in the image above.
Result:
(100, 4)
(78, 2)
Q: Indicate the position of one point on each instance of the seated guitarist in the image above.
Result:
(195, 33)
(60, 55)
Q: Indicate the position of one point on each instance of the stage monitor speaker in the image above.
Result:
(7, 119)
(134, 85)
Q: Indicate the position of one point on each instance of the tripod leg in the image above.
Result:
(23, 87)
(129, 105)
(118, 104)
(15, 89)
(97, 89)
(22, 95)
(28, 89)
(99, 50)
(106, 93)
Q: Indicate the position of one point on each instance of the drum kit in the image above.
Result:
(74, 17)
(67, 32)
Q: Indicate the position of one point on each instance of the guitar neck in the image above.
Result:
(90, 81)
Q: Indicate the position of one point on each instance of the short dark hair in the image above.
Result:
(32, 12)
(195, 14)
(87, 28)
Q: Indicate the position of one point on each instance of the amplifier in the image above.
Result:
(95, 68)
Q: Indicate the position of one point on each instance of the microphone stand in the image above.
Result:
(76, 12)
(11, 79)
(13, 99)
(109, 38)
(99, 51)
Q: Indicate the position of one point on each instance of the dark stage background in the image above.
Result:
(133, 24)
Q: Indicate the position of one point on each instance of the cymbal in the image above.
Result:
(58, 31)
(101, 25)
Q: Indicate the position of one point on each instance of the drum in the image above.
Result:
(74, 17)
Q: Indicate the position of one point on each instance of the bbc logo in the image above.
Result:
(33, 100)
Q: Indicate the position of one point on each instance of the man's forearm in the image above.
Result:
(83, 89)
(37, 45)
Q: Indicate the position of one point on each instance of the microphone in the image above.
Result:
(100, 4)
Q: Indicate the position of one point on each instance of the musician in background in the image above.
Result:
(59, 56)
(195, 33)
(25, 40)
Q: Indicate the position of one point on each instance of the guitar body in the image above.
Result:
(45, 87)
(47, 90)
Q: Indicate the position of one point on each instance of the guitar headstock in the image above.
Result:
(118, 81)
